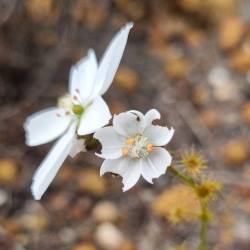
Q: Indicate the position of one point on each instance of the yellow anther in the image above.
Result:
(149, 147)
(125, 151)
(130, 141)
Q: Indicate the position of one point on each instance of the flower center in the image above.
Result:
(77, 109)
(137, 146)
(71, 105)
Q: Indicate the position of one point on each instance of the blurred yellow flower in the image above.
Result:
(177, 204)
(208, 189)
(193, 162)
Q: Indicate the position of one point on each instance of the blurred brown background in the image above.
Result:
(188, 58)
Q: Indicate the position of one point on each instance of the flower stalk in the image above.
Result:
(204, 216)
(204, 224)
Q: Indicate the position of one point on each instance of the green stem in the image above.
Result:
(188, 180)
(203, 205)
(204, 224)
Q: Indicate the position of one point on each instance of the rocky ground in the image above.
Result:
(188, 58)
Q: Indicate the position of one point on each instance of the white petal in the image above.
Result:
(129, 169)
(156, 164)
(112, 143)
(45, 126)
(78, 145)
(158, 135)
(110, 154)
(111, 60)
(152, 115)
(51, 164)
(94, 117)
(141, 118)
(128, 124)
(131, 175)
(82, 77)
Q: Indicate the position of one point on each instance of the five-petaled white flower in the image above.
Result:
(80, 112)
(133, 147)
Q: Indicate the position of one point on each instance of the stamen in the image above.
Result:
(77, 96)
(67, 113)
(149, 147)
(130, 141)
(58, 115)
(125, 151)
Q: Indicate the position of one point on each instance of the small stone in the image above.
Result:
(84, 246)
(240, 61)
(235, 152)
(245, 112)
(223, 87)
(195, 38)
(220, 9)
(89, 13)
(191, 5)
(210, 117)
(136, 10)
(78, 11)
(109, 236)
(96, 15)
(12, 227)
(34, 222)
(105, 211)
(41, 10)
(8, 171)
(199, 95)
(79, 210)
(67, 235)
(176, 68)
(34, 217)
(60, 201)
(230, 33)
(241, 230)
(126, 78)
(91, 182)
(65, 174)
(128, 245)
(23, 240)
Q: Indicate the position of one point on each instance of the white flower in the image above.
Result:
(80, 112)
(132, 147)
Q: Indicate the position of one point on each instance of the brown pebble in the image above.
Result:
(176, 68)
(84, 246)
(230, 33)
(109, 237)
(235, 152)
(126, 78)
(210, 117)
(128, 245)
(90, 181)
(8, 171)
(105, 211)
(240, 61)
(199, 95)
(42, 10)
